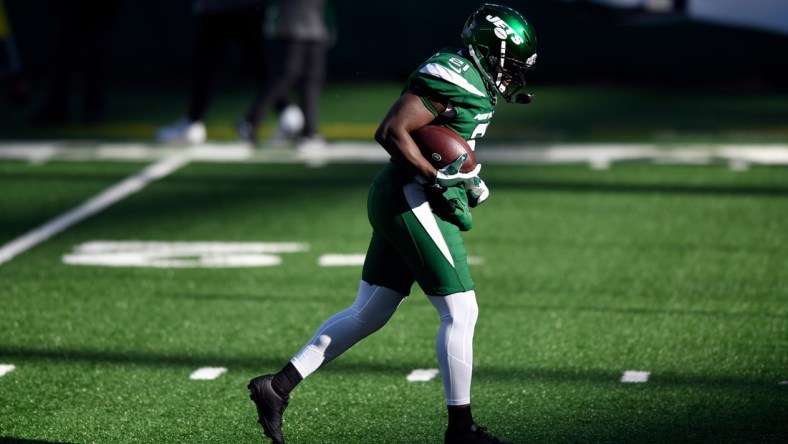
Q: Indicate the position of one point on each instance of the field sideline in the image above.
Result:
(597, 156)
(629, 293)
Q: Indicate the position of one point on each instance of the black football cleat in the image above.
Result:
(270, 407)
(473, 435)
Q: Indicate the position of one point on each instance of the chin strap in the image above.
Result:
(492, 91)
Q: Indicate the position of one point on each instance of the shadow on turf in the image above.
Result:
(748, 421)
(652, 311)
(634, 188)
(6, 440)
(256, 364)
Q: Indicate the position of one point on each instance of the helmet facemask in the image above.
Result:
(508, 74)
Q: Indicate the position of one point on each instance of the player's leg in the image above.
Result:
(454, 346)
(55, 109)
(210, 41)
(386, 281)
(95, 85)
(434, 253)
(213, 33)
(373, 307)
(285, 65)
(255, 49)
(251, 41)
(312, 80)
(442, 271)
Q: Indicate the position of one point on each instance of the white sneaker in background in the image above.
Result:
(311, 144)
(291, 122)
(182, 131)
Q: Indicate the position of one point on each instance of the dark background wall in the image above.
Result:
(152, 42)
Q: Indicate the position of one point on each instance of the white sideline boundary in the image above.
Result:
(596, 155)
(168, 159)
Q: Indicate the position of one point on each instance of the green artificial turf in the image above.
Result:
(581, 275)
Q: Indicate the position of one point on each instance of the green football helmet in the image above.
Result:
(502, 44)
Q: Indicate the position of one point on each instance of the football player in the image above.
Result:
(417, 213)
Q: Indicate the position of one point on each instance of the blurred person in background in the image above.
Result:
(82, 25)
(218, 23)
(11, 72)
(417, 213)
(299, 34)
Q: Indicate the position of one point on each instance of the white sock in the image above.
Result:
(373, 307)
(454, 345)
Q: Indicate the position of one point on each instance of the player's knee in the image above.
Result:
(473, 308)
(468, 309)
(458, 309)
(375, 305)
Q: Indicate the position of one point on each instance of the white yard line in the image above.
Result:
(6, 368)
(92, 206)
(423, 374)
(341, 260)
(635, 377)
(207, 373)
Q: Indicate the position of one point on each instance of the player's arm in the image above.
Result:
(407, 114)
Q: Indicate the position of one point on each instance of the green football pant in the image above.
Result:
(410, 244)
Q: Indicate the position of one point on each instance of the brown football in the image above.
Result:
(441, 146)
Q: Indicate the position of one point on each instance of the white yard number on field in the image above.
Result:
(181, 254)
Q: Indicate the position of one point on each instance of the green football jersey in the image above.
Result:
(449, 75)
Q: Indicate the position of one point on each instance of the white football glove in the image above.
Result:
(450, 175)
(477, 191)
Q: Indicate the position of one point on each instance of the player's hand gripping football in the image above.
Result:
(450, 175)
(477, 191)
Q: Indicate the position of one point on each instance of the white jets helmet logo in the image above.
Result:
(503, 30)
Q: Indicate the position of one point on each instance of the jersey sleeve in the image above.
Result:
(451, 79)
(448, 77)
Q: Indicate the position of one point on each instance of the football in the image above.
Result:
(441, 146)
